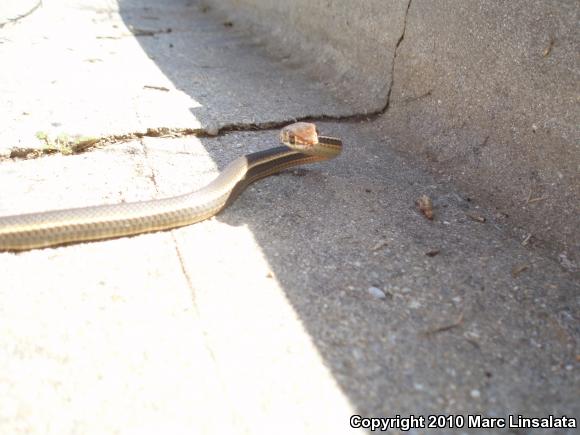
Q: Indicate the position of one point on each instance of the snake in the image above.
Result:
(301, 145)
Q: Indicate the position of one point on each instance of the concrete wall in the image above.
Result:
(353, 46)
(484, 93)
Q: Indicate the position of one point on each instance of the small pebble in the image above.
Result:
(475, 394)
(377, 292)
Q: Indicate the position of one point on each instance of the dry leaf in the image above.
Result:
(426, 206)
(475, 217)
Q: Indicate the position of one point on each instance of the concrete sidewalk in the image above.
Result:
(260, 320)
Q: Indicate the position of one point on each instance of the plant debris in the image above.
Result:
(548, 49)
(532, 200)
(444, 328)
(379, 245)
(145, 32)
(516, 270)
(432, 253)
(425, 206)
(157, 88)
(475, 217)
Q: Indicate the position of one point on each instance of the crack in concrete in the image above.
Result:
(180, 259)
(86, 145)
(29, 153)
(214, 131)
(204, 330)
(396, 52)
(178, 252)
(14, 20)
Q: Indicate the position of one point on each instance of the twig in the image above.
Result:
(158, 88)
(379, 245)
(519, 269)
(540, 198)
(475, 217)
(444, 328)
(418, 97)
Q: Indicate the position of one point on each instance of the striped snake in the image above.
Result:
(58, 227)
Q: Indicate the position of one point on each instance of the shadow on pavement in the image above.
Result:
(459, 329)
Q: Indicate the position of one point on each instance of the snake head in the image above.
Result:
(301, 136)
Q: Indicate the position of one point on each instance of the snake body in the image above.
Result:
(58, 227)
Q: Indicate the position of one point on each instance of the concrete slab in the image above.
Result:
(79, 78)
(261, 319)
